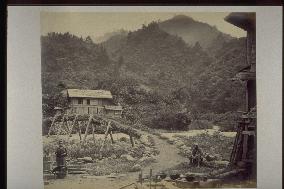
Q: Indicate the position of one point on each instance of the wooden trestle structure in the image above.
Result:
(244, 150)
(70, 122)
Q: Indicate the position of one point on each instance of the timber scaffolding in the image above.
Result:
(69, 122)
(244, 150)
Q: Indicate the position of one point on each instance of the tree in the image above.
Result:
(118, 66)
(89, 40)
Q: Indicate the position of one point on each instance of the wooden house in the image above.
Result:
(92, 102)
(244, 150)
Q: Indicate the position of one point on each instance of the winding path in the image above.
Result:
(168, 156)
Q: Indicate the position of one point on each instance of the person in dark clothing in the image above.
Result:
(196, 155)
(61, 154)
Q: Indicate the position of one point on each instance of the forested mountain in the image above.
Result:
(192, 31)
(158, 59)
(158, 78)
(74, 61)
(108, 35)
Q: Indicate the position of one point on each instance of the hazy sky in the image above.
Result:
(97, 24)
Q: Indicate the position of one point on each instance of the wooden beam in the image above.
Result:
(80, 130)
(93, 131)
(245, 145)
(60, 125)
(248, 133)
(111, 137)
(52, 124)
(72, 126)
(132, 141)
(68, 127)
(87, 128)
(106, 134)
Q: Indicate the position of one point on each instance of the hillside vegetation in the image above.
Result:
(160, 79)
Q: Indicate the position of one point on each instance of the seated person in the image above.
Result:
(196, 157)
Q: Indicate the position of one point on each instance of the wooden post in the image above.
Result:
(79, 124)
(52, 124)
(106, 133)
(68, 126)
(93, 132)
(131, 140)
(245, 144)
(150, 178)
(141, 178)
(87, 128)
(73, 124)
(60, 125)
(110, 134)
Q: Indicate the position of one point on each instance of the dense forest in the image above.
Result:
(162, 79)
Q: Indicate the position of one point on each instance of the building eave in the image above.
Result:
(243, 20)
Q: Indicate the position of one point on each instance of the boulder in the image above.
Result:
(144, 140)
(222, 163)
(86, 159)
(113, 156)
(149, 159)
(135, 168)
(128, 157)
(179, 143)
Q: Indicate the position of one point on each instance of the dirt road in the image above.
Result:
(167, 158)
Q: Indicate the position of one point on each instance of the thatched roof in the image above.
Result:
(80, 93)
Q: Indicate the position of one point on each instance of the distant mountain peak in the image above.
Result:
(192, 31)
(182, 17)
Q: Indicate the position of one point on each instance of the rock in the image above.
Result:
(128, 157)
(135, 168)
(144, 140)
(179, 143)
(209, 157)
(113, 156)
(217, 164)
(149, 159)
(222, 163)
(86, 159)
(112, 175)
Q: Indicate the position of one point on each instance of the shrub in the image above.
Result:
(171, 121)
(227, 121)
(200, 124)
(216, 144)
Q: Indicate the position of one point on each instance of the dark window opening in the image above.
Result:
(88, 101)
(80, 101)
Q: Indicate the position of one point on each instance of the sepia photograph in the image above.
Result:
(148, 100)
